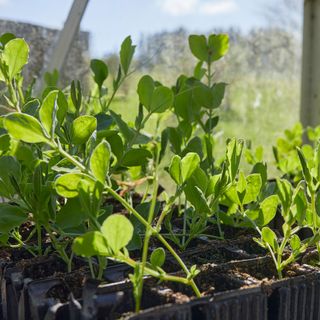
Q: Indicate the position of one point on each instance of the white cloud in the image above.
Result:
(3, 3)
(185, 7)
(217, 7)
(177, 7)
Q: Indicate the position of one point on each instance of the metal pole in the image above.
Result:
(310, 79)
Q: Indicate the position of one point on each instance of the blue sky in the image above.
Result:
(110, 21)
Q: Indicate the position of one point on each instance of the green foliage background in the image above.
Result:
(262, 69)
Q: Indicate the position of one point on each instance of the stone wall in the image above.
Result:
(41, 41)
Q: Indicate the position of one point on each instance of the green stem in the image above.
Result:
(148, 232)
(39, 238)
(168, 208)
(91, 268)
(154, 231)
(102, 266)
(184, 223)
(13, 96)
(58, 247)
(70, 262)
(268, 246)
(153, 273)
(21, 244)
(315, 217)
(70, 158)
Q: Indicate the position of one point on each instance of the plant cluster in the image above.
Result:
(71, 167)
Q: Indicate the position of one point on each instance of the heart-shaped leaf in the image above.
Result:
(118, 231)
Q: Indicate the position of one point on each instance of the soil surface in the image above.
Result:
(71, 283)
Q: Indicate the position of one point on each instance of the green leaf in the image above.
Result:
(218, 46)
(218, 91)
(254, 183)
(175, 139)
(67, 185)
(99, 161)
(62, 106)
(116, 145)
(48, 110)
(100, 71)
(155, 99)
(11, 216)
(82, 129)
(268, 209)
(284, 193)
(126, 131)
(186, 105)
(4, 143)
(136, 157)
(162, 99)
(233, 154)
(175, 169)
(200, 179)
(31, 107)
(15, 55)
(76, 94)
(126, 54)
(199, 71)
(145, 90)
(6, 37)
(197, 198)
(301, 203)
(189, 164)
(118, 231)
(72, 214)
(92, 243)
(25, 128)
(261, 168)
(198, 46)
(269, 237)
(203, 95)
(295, 242)
(242, 183)
(158, 257)
(9, 168)
(304, 166)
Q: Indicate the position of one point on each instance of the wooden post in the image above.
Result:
(67, 34)
(310, 79)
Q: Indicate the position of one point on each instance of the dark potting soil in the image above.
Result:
(70, 283)
(45, 266)
(311, 257)
(151, 297)
(263, 269)
(249, 246)
(211, 254)
(118, 207)
(14, 254)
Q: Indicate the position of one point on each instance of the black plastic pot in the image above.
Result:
(288, 299)
(243, 304)
(296, 298)
(11, 287)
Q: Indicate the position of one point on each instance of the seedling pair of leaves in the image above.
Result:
(14, 54)
(311, 173)
(285, 154)
(101, 72)
(294, 211)
(244, 205)
(196, 103)
(201, 191)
